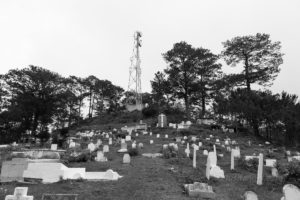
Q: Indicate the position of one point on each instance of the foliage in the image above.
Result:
(169, 152)
(291, 172)
(133, 152)
(249, 165)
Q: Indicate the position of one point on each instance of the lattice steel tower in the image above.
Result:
(134, 84)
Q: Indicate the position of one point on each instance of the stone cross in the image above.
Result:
(260, 169)
(20, 193)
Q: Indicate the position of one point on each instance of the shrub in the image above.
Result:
(291, 172)
(133, 152)
(169, 152)
(249, 165)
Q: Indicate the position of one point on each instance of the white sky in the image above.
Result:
(94, 37)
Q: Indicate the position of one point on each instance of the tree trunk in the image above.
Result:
(247, 74)
(203, 105)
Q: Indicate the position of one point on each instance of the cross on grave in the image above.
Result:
(20, 193)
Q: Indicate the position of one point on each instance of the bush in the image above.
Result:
(151, 111)
(249, 165)
(133, 152)
(169, 152)
(291, 172)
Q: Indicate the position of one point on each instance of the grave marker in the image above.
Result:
(20, 193)
(260, 169)
(53, 147)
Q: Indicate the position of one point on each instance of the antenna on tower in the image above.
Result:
(134, 101)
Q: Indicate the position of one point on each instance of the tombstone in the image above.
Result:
(270, 162)
(91, 147)
(275, 172)
(249, 143)
(151, 141)
(226, 142)
(260, 169)
(157, 135)
(217, 141)
(194, 158)
(105, 149)
(187, 150)
(249, 195)
(20, 193)
(165, 146)
(123, 140)
(236, 152)
(267, 143)
(136, 134)
(53, 147)
(200, 190)
(133, 145)
(200, 144)
(141, 145)
(128, 138)
(60, 197)
(208, 168)
(124, 145)
(228, 149)
(99, 142)
(216, 172)
(290, 192)
(232, 161)
(72, 145)
(166, 136)
(288, 153)
(150, 133)
(182, 142)
(193, 138)
(126, 158)
(110, 141)
(162, 121)
(211, 136)
(205, 152)
(213, 158)
(100, 157)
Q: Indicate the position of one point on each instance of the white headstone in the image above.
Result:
(126, 158)
(109, 141)
(105, 148)
(208, 166)
(100, 157)
(205, 152)
(133, 145)
(72, 145)
(20, 193)
(291, 192)
(157, 135)
(151, 141)
(91, 147)
(166, 136)
(150, 133)
(260, 169)
(274, 172)
(270, 162)
(200, 144)
(53, 147)
(213, 158)
(128, 138)
(194, 158)
(232, 161)
(141, 145)
(216, 172)
(249, 195)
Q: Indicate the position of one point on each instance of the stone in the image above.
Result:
(165, 146)
(275, 172)
(100, 157)
(194, 158)
(72, 145)
(249, 195)
(13, 170)
(200, 190)
(290, 192)
(270, 162)
(109, 141)
(128, 138)
(216, 172)
(178, 139)
(208, 166)
(152, 155)
(123, 147)
(226, 142)
(105, 149)
(175, 146)
(150, 133)
(236, 152)
(91, 147)
(200, 144)
(20, 193)
(166, 136)
(133, 145)
(260, 169)
(123, 140)
(53, 147)
(213, 158)
(162, 121)
(136, 134)
(205, 152)
(141, 145)
(157, 135)
(193, 138)
(151, 141)
(217, 141)
(232, 161)
(185, 138)
(108, 175)
(126, 158)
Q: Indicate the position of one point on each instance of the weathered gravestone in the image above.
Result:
(290, 192)
(100, 157)
(126, 158)
(53, 147)
(20, 193)
(202, 190)
(13, 170)
(105, 149)
(249, 195)
(60, 197)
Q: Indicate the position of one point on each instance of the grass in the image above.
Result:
(151, 178)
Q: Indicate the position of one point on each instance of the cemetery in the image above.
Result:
(194, 162)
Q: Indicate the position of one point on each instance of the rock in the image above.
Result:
(274, 172)
(205, 152)
(290, 192)
(249, 195)
(216, 172)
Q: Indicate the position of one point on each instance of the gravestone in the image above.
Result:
(205, 152)
(290, 192)
(200, 190)
(208, 166)
(72, 144)
(275, 172)
(128, 138)
(20, 193)
(194, 157)
(200, 144)
(232, 161)
(100, 157)
(91, 147)
(150, 133)
(270, 162)
(213, 158)
(141, 145)
(151, 141)
(260, 169)
(157, 135)
(60, 197)
(126, 158)
(249, 195)
(162, 121)
(53, 147)
(165, 146)
(105, 149)
(166, 136)
(109, 141)
(13, 170)
(187, 150)
(216, 172)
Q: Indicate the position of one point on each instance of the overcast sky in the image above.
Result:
(94, 37)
